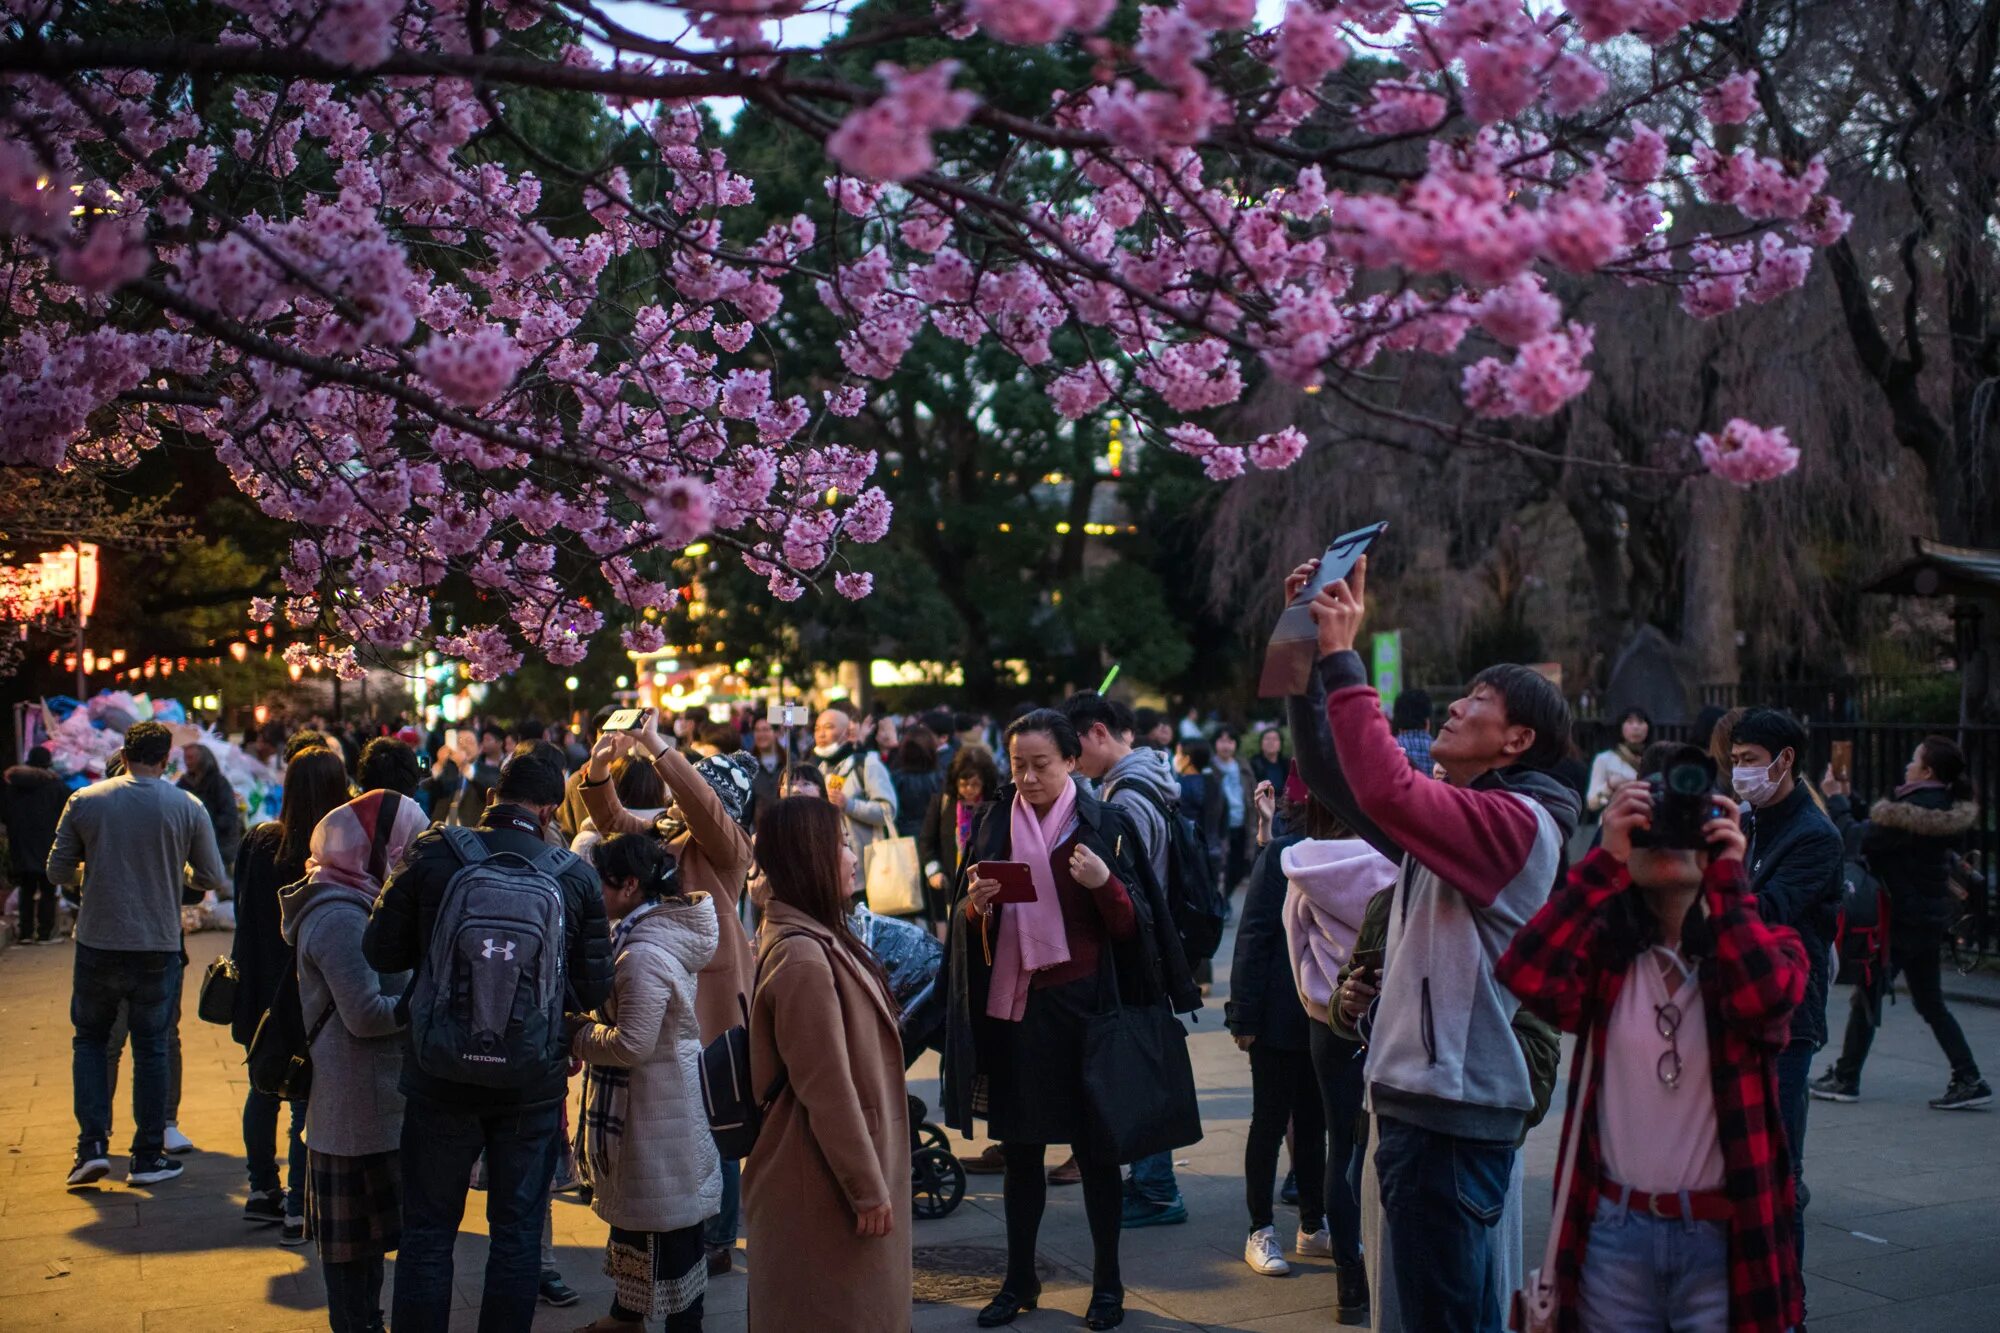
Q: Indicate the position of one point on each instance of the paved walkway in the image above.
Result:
(1905, 1223)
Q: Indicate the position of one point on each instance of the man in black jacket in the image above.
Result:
(447, 1125)
(1796, 875)
(34, 799)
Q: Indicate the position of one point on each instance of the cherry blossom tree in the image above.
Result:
(309, 236)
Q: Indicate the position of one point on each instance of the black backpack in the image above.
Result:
(735, 1114)
(1861, 941)
(1193, 894)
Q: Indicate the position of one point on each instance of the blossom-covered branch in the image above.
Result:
(314, 237)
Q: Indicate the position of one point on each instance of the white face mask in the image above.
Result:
(1754, 784)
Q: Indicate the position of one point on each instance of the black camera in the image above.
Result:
(1683, 803)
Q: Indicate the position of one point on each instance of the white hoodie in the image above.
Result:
(1332, 882)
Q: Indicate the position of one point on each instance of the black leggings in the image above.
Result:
(1025, 1190)
(1284, 1091)
(1913, 951)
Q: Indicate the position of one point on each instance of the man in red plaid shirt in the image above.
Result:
(1680, 1206)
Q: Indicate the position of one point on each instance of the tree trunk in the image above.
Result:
(1715, 520)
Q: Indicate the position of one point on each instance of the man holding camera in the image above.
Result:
(1447, 1083)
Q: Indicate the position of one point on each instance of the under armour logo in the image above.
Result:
(504, 951)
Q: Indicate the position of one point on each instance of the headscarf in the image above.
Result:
(730, 777)
(343, 843)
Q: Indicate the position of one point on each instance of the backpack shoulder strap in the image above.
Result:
(554, 861)
(466, 844)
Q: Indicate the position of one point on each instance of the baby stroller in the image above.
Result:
(937, 1177)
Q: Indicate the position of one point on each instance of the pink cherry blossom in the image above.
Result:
(471, 368)
(111, 257)
(1731, 102)
(1309, 46)
(890, 139)
(1747, 454)
(854, 587)
(1279, 450)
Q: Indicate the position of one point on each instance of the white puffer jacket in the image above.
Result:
(665, 1173)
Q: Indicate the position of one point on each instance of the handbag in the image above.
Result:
(894, 879)
(280, 1053)
(1138, 1083)
(1533, 1309)
(218, 991)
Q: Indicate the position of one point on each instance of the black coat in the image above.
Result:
(1152, 967)
(915, 793)
(1798, 872)
(937, 841)
(34, 804)
(260, 952)
(399, 935)
(1907, 841)
(1263, 998)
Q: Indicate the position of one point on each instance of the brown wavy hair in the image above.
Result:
(315, 786)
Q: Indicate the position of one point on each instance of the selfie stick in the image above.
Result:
(1110, 676)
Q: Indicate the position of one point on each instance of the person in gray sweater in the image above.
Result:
(354, 1120)
(129, 839)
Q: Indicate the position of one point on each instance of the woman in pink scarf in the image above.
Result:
(1034, 973)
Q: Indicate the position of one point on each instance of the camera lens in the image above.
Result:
(1687, 780)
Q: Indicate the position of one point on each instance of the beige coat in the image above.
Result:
(836, 1141)
(663, 1170)
(714, 859)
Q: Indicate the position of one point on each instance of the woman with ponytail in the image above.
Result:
(1907, 840)
(826, 1189)
(643, 1137)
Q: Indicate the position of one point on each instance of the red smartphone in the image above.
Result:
(1017, 884)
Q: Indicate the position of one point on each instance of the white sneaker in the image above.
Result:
(177, 1142)
(1314, 1244)
(1264, 1255)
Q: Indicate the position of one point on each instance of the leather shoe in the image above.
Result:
(1009, 1305)
(1106, 1310)
(991, 1162)
(1068, 1173)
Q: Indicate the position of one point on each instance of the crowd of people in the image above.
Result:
(506, 953)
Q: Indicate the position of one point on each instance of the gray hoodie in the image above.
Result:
(1145, 770)
(356, 1107)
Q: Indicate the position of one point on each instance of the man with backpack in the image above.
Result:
(506, 935)
(1141, 782)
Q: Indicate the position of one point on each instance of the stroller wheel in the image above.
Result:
(928, 1135)
(937, 1182)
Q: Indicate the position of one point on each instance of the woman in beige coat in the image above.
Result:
(827, 1188)
(643, 1136)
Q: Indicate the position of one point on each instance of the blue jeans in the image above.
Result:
(1153, 1178)
(721, 1229)
(1641, 1271)
(147, 984)
(1442, 1196)
(260, 1146)
(1794, 1067)
(439, 1147)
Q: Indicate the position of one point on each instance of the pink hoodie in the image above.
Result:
(1331, 883)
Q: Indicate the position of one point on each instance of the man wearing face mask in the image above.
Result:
(1795, 874)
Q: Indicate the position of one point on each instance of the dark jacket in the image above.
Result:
(219, 799)
(1273, 771)
(1907, 840)
(916, 793)
(260, 951)
(1203, 802)
(1797, 874)
(937, 844)
(1152, 967)
(34, 803)
(399, 934)
(1263, 999)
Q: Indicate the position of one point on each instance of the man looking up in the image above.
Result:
(1447, 1083)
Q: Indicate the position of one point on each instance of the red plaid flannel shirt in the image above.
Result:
(1563, 967)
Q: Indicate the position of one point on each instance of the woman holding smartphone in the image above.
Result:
(1054, 905)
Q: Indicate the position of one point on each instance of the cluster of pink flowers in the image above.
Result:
(509, 417)
(1747, 454)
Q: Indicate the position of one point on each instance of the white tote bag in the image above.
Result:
(894, 880)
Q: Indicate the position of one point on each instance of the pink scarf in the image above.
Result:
(1032, 936)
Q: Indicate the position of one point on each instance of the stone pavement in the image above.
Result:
(1905, 1223)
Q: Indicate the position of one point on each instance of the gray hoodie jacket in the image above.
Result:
(1145, 770)
(356, 1106)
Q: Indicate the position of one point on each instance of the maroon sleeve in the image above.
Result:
(1475, 841)
(1114, 903)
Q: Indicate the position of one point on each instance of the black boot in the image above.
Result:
(1351, 1294)
(1106, 1310)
